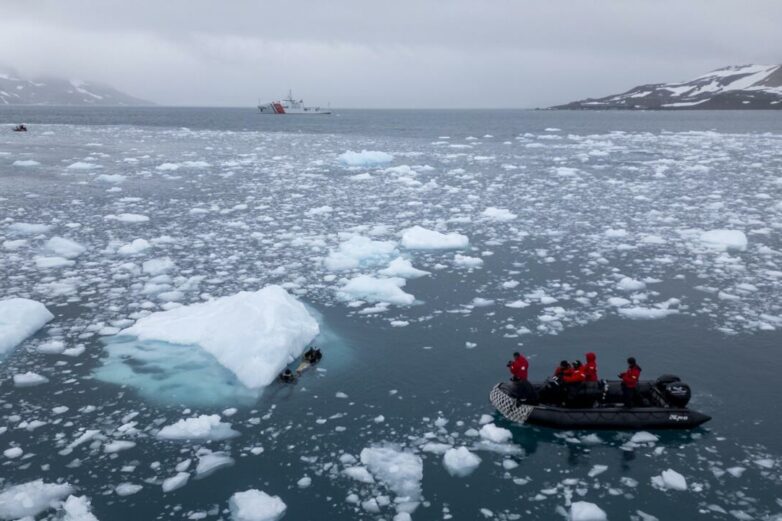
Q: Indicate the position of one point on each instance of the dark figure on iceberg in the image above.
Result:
(313, 355)
(630, 382)
(20, 128)
(287, 376)
(519, 367)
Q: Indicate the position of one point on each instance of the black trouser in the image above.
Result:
(629, 395)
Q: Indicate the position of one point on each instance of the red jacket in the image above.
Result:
(631, 376)
(575, 376)
(561, 372)
(520, 367)
(590, 368)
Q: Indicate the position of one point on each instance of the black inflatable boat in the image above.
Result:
(661, 404)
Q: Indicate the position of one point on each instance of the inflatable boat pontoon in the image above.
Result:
(661, 404)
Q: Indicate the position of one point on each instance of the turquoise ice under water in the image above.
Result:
(610, 210)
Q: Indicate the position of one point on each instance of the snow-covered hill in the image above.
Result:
(55, 91)
(734, 87)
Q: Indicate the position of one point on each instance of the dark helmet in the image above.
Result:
(516, 354)
(577, 364)
(631, 361)
(564, 364)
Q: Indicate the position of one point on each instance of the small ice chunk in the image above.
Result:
(256, 505)
(364, 158)
(373, 289)
(724, 240)
(419, 238)
(211, 462)
(127, 489)
(670, 480)
(359, 473)
(118, 445)
(78, 508)
(29, 379)
(495, 434)
(644, 437)
(64, 247)
(135, 247)
(498, 214)
(179, 480)
(204, 427)
(304, 482)
(13, 452)
(20, 318)
(401, 267)
(460, 462)
(586, 511)
(596, 470)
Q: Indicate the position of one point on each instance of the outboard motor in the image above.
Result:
(676, 394)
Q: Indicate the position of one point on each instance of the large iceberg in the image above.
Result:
(20, 318)
(253, 334)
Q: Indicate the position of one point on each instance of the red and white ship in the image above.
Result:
(290, 106)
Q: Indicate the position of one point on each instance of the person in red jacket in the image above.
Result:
(590, 368)
(630, 382)
(563, 370)
(519, 367)
(576, 374)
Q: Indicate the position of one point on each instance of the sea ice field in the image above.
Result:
(161, 267)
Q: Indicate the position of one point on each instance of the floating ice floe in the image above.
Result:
(132, 218)
(253, 334)
(359, 251)
(419, 238)
(25, 162)
(135, 247)
(498, 214)
(82, 165)
(401, 267)
(491, 432)
(373, 289)
(256, 505)
(19, 319)
(724, 240)
(460, 461)
(65, 247)
(670, 480)
(586, 511)
(78, 508)
(30, 499)
(111, 178)
(204, 427)
(29, 379)
(364, 158)
(28, 228)
(400, 471)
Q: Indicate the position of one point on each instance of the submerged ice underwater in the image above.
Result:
(157, 276)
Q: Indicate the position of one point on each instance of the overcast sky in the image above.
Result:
(390, 53)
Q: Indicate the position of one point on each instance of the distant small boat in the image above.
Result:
(20, 128)
(290, 106)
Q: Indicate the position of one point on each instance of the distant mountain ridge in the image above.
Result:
(57, 91)
(737, 87)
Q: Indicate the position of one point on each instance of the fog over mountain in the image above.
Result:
(352, 53)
